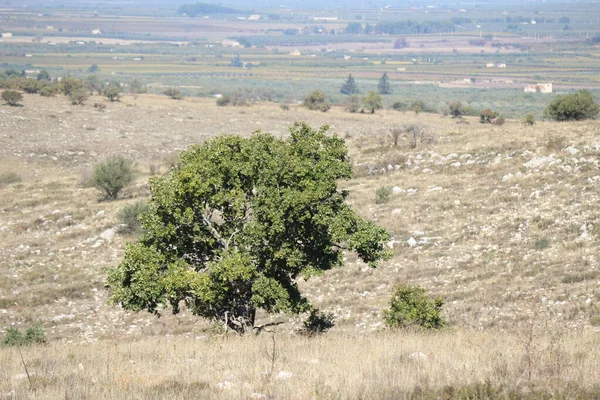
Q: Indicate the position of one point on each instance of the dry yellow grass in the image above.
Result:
(375, 366)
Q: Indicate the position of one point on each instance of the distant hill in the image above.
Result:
(193, 10)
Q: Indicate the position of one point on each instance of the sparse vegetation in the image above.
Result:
(33, 335)
(129, 217)
(457, 109)
(78, 97)
(112, 175)
(173, 93)
(317, 323)
(372, 102)
(487, 116)
(353, 104)
(529, 120)
(383, 194)
(112, 93)
(7, 178)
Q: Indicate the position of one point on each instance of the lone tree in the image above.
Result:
(384, 87)
(12, 97)
(236, 62)
(112, 93)
(572, 107)
(372, 102)
(457, 109)
(232, 229)
(350, 86)
(317, 100)
(487, 116)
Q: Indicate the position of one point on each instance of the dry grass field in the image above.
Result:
(500, 221)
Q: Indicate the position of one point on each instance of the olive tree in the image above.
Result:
(12, 97)
(231, 229)
(572, 107)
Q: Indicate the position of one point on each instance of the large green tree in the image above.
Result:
(572, 107)
(232, 228)
(384, 87)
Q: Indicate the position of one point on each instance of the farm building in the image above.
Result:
(490, 65)
(96, 32)
(539, 88)
(501, 65)
(7, 35)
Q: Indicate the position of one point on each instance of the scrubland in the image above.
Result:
(500, 221)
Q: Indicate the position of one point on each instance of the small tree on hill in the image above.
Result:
(572, 107)
(112, 175)
(173, 93)
(353, 104)
(350, 86)
(529, 120)
(457, 109)
(78, 97)
(236, 62)
(69, 85)
(487, 116)
(31, 86)
(317, 100)
(112, 93)
(43, 75)
(232, 229)
(384, 87)
(12, 97)
(372, 102)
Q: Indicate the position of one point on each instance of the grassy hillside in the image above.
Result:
(505, 219)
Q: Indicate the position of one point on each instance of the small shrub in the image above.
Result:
(48, 91)
(529, 120)
(372, 102)
(12, 97)
(383, 194)
(417, 109)
(317, 100)
(173, 93)
(400, 106)
(595, 320)
(317, 323)
(233, 99)
(353, 104)
(284, 107)
(112, 93)
(112, 175)
(418, 134)
(9, 177)
(33, 335)
(411, 307)
(100, 106)
(542, 244)
(457, 109)
(487, 116)
(129, 217)
(78, 97)
(31, 86)
(70, 85)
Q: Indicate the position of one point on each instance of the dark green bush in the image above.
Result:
(12, 97)
(317, 100)
(317, 323)
(572, 107)
(411, 307)
(112, 175)
(487, 116)
(173, 93)
(529, 120)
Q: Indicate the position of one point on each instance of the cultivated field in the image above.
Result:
(504, 227)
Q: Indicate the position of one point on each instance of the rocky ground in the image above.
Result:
(500, 221)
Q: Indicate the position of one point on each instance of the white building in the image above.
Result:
(7, 35)
(539, 88)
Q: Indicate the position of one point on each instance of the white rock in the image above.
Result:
(456, 164)
(63, 317)
(108, 234)
(538, 162)
(411, 242)
(20, 377)
(390, 167)
(507, 177)
(258, 396)
(396, 211)
(571, 150)
(396, 190)
(283, 375)
(417, 355)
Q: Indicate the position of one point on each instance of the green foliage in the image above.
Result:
(400, 106)
(93, 84)
(31, 86)
(317, 323)
(112, 93)
(372, 102)
(411, 307)
(48, 91)
(317, 100)
(137, 87)
(112, 175)
(33, 335)
(383, 194)
(354, 28)
(353, 104)
(572, 107)
(7, 178)
(529, 120)
(12, 97)
(70, 85)
(541, 244)
(350, 86)
(232, 229)
(43, 75)
(78, 97)
(457, 109)
(384, 87)
(236, 62)
(129, 217)
(173, 93)
(487, 116)
(232, 99)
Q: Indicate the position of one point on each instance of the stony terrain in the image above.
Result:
(500, 221)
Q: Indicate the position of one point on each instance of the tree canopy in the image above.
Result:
(238, 222)
(572, 107)
(350, 86)
(383, 86)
